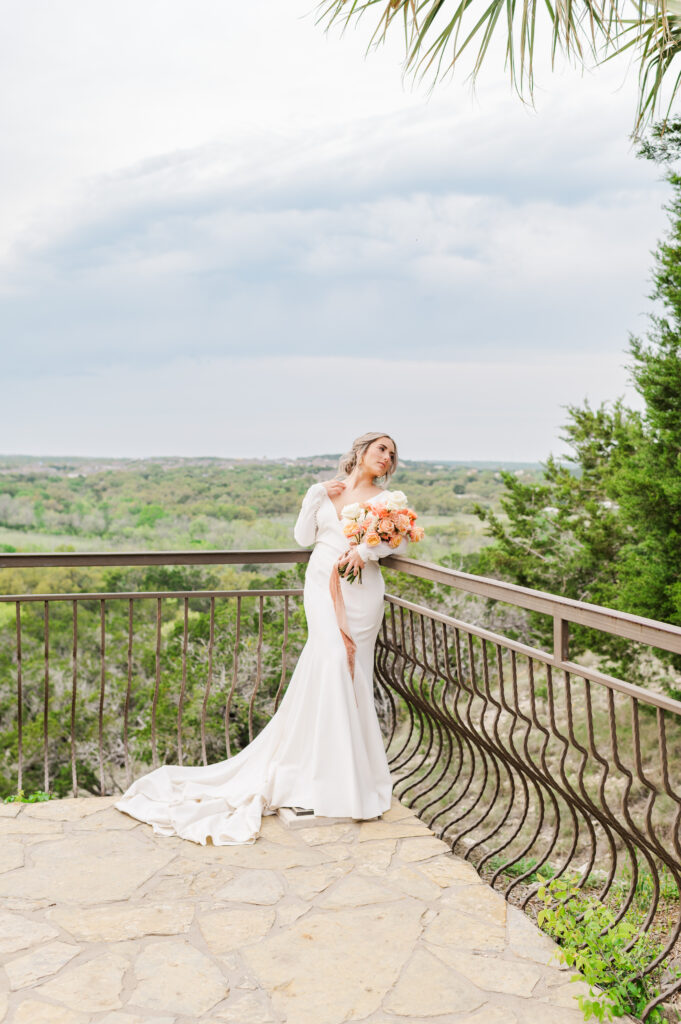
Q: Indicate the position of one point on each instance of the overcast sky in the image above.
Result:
(225, 232)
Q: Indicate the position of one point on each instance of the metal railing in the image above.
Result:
(526, 762)
(130, 678)
(534, 766)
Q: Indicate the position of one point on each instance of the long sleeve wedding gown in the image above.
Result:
(323, 748)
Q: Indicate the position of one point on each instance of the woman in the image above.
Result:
(323, 748)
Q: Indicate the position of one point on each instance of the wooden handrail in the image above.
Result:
(563, 610)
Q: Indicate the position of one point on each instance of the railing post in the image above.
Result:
(561, 639)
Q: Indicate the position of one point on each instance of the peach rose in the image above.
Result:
(351, 529)
(372, 539)
(395, 540)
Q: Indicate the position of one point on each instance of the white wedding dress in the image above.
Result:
(323, 748)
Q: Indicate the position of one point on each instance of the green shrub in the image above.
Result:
(596, 945)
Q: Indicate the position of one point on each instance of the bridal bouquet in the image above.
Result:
(386, 520)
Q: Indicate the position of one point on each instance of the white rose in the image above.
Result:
(396, 499)
(351, 511)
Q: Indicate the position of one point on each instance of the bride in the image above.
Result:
(323, 748)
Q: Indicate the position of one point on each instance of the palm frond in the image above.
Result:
(437, 33)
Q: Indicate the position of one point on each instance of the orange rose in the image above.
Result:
(395, 540)
(351, 529)
(372, 539)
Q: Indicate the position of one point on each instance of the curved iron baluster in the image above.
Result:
(74, 688)
(443, 733)
(510, 762)
(431, 721)
(529, 845)
(183, 684)
(541, 813)
(284, 648)
(235, 674)
(416, 723)
(467, 746)
(452, 719)
(209, 678)
(485, 746)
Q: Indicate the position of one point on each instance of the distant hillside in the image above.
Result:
(59, 464)
(48, 502)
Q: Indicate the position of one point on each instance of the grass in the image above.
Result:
(519, 868)
(38, 797)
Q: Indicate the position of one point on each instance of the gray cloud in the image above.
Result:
(336, 241)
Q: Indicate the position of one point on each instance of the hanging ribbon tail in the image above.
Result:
(341, 618)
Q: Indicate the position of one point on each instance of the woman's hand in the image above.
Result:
(351, 560)
(334, 487)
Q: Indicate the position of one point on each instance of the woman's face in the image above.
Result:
(379, 456)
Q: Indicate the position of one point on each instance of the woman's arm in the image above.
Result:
(380, 550)
(305, 530)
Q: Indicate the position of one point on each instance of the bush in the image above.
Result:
(596, 944)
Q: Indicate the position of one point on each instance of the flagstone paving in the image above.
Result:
(102, 921)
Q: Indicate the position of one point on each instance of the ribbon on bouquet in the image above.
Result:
(342, 619)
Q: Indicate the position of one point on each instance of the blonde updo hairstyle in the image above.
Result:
(359, 447)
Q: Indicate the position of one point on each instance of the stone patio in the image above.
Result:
(104, 922)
